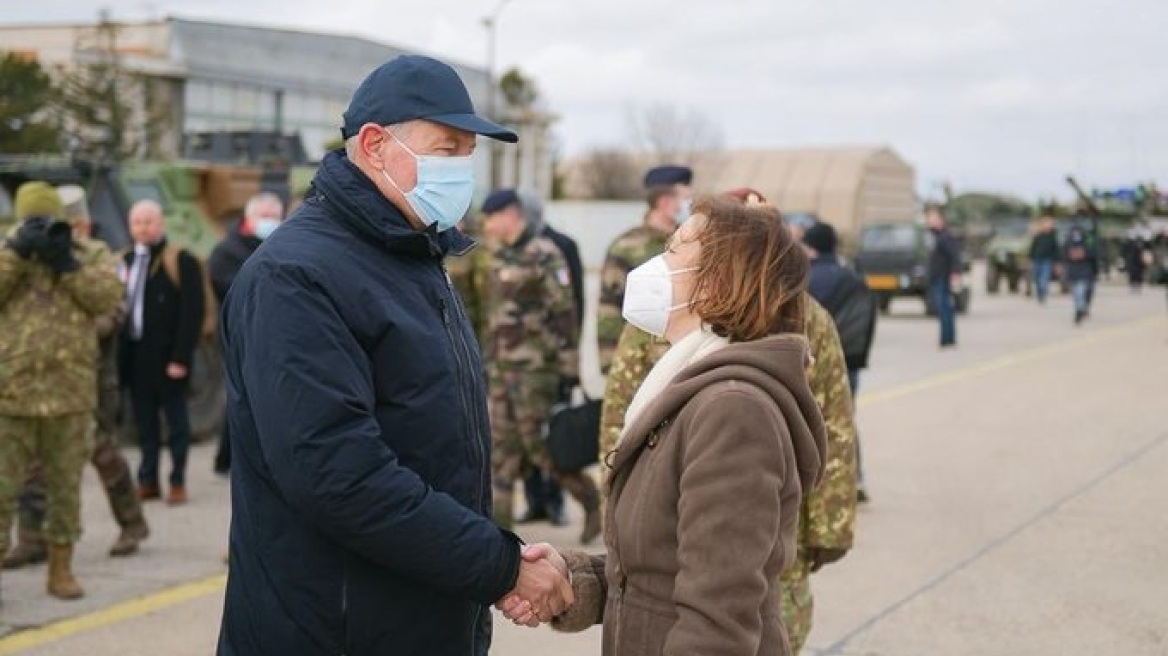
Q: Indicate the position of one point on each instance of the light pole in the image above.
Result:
(490, 23)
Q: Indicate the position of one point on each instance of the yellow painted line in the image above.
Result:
(114, 614)
(1010, 360)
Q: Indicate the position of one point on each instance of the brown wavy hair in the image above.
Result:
(751, 271)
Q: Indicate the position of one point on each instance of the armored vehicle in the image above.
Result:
(894, 259)
(199, 201)
(1008, 257)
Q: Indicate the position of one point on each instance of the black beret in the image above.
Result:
(500, 199)
(668, 175)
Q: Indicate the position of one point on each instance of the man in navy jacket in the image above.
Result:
(361, 496)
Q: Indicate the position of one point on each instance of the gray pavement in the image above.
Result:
(1019, 507)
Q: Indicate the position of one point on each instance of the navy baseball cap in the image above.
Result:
(412, 87)
(668, 175)
(500, 199)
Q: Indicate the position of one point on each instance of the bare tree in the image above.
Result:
(610, 174)
(671, 135)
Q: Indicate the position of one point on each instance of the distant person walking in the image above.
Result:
(1136, 254)
(1079, 255)
(944, 274)
(1044, 252)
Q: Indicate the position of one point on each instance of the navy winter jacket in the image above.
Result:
(360, 444)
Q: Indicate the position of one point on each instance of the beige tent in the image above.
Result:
(845, 186)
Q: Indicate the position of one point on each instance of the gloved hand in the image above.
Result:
(57, 252)
(818, 557)
(567, 384)
(31, 237)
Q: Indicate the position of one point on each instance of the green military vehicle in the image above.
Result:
(199, 201)
(894, 260)
(1008, 257)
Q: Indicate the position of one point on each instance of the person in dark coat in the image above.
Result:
(261, 216)
(360, 481)
(944, 274)
(1080, 257)
(845, 295)
(164, 320)
(1044, 254)
(1134, 252)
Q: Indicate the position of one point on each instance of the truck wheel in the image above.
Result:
(885, 303)
(1014, 282)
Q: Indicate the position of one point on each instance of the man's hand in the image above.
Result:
(817, 557)
(542, 591)
(176, 371)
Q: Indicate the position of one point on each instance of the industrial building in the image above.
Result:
(216, 77)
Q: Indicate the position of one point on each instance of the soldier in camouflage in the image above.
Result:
(468, 272)
(52, 291)
(668, 197)
(530, 349)
(107, 458)
(829, 512)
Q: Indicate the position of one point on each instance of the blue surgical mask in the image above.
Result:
(265, 226)
(444, 189)
(683, 211)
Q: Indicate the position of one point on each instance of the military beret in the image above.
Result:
(668, 175)
(500, 199)
(38, 199)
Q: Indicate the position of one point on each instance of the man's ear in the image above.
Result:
(370, 140)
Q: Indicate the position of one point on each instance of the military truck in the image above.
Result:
(894, 260)
(1008, 257)
(199, 201)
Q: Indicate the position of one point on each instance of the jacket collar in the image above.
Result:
(361, 208)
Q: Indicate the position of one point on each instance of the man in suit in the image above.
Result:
(164, 318)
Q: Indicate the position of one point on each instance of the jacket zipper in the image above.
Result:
(463, 359)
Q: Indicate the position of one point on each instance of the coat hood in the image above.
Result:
(777, 366)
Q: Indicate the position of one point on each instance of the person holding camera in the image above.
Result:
(53, 290)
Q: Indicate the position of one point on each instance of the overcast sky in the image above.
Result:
(1006, 95)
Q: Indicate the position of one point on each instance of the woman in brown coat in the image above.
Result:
(719, 444)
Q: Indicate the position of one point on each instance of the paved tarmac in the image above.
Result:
(1019, 507)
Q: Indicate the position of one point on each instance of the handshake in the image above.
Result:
(50, 241)
(543, 590)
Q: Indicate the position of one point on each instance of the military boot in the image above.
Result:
(127, 542)
(26, 552)
(62, 585)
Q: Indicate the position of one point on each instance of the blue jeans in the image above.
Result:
(1081, 293)
(1042, 274)
(943, 300)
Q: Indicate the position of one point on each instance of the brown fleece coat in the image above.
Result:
(703, 507)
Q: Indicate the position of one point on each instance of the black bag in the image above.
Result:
(573, 439)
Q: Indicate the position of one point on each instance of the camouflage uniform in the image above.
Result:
(627, 252)
(48, 381)
(530, 347)
(107, 457)
(829, 512)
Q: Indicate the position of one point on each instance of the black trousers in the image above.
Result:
(148, 406)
